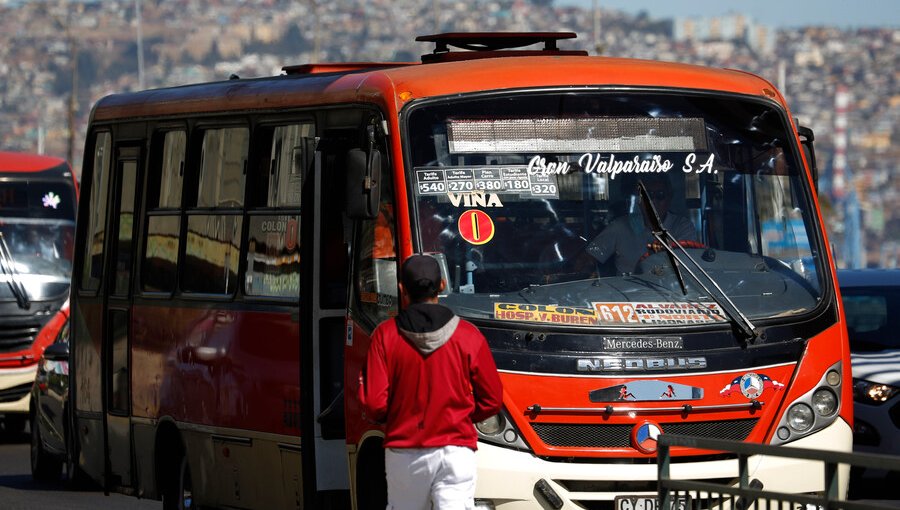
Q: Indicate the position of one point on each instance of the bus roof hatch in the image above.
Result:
(494, 44)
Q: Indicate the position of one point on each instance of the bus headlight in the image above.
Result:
(824, 402)
(800, 417)
(499, 430)
(491, 426)
(868, 392)
(814, 410)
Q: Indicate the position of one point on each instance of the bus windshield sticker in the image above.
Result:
(51, 199)
(476, 227)
(544, 186)
(475, 199)
(460, 180)
(488, 179)
(545, 313)
(751, 385)
(431, 182)
(659, 313)
(516, 180)
(645, 391)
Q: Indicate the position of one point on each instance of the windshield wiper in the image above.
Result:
(659, 233)
(664, 237)
(8, 267)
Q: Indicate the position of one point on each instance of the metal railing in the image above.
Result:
(704, 495)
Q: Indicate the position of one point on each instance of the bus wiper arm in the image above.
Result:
(659, 232)
(8, 266)
(665, 239)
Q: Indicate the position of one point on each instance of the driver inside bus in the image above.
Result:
(627, 238)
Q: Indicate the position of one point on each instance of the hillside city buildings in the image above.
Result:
(187, 41)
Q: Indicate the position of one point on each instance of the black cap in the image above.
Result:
(421, 276)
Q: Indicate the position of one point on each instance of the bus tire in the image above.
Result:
(177, 492)
(371, 483)
(44, 466)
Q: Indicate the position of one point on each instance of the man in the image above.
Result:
(429, 376)
(628, 238)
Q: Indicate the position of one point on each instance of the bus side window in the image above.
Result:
(223, 162)
(273, 252)
(92, 271)
(376, 257)
(213, 241)
(160, 258)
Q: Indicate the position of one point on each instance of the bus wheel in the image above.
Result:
(44, 467)
(178, 491)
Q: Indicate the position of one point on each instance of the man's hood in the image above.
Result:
(428, 326)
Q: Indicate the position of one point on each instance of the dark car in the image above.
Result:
(871, 300)
(49, 406)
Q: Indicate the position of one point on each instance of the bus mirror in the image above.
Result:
(363, 186)
(806, 139)
(57, 352)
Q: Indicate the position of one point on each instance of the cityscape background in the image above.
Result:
(58, 57)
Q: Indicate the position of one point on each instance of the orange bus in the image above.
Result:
(38, 197)
(640, 242)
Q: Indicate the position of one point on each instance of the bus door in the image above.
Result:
(116, 340)
(325, 470)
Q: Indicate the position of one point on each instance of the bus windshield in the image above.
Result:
(531, 203)
(38, 228)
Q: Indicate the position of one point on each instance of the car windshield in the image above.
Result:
(531, 203)
(41, 252)
(873, 317)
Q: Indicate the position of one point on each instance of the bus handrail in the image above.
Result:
(747, 492)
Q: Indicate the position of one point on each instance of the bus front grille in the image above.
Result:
(15, 337)
(619, 436)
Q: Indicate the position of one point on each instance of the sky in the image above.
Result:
(778, 13)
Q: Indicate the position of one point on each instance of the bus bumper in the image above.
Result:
(511, 480)
(15, 389)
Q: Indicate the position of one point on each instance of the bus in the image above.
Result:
(38, 198)
(238, 241)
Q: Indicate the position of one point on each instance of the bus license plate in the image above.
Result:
(649, 503)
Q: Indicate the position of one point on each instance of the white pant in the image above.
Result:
(425, 478)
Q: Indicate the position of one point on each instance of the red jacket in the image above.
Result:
(430, 387)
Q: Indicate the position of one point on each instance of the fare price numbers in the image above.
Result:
(490, 185)
(544, 185)
(516, 185)
(431, 182)
(457, 186)
(542, 189)
(515, 180)
(488, 179)
(460, 180)
(432, 188)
